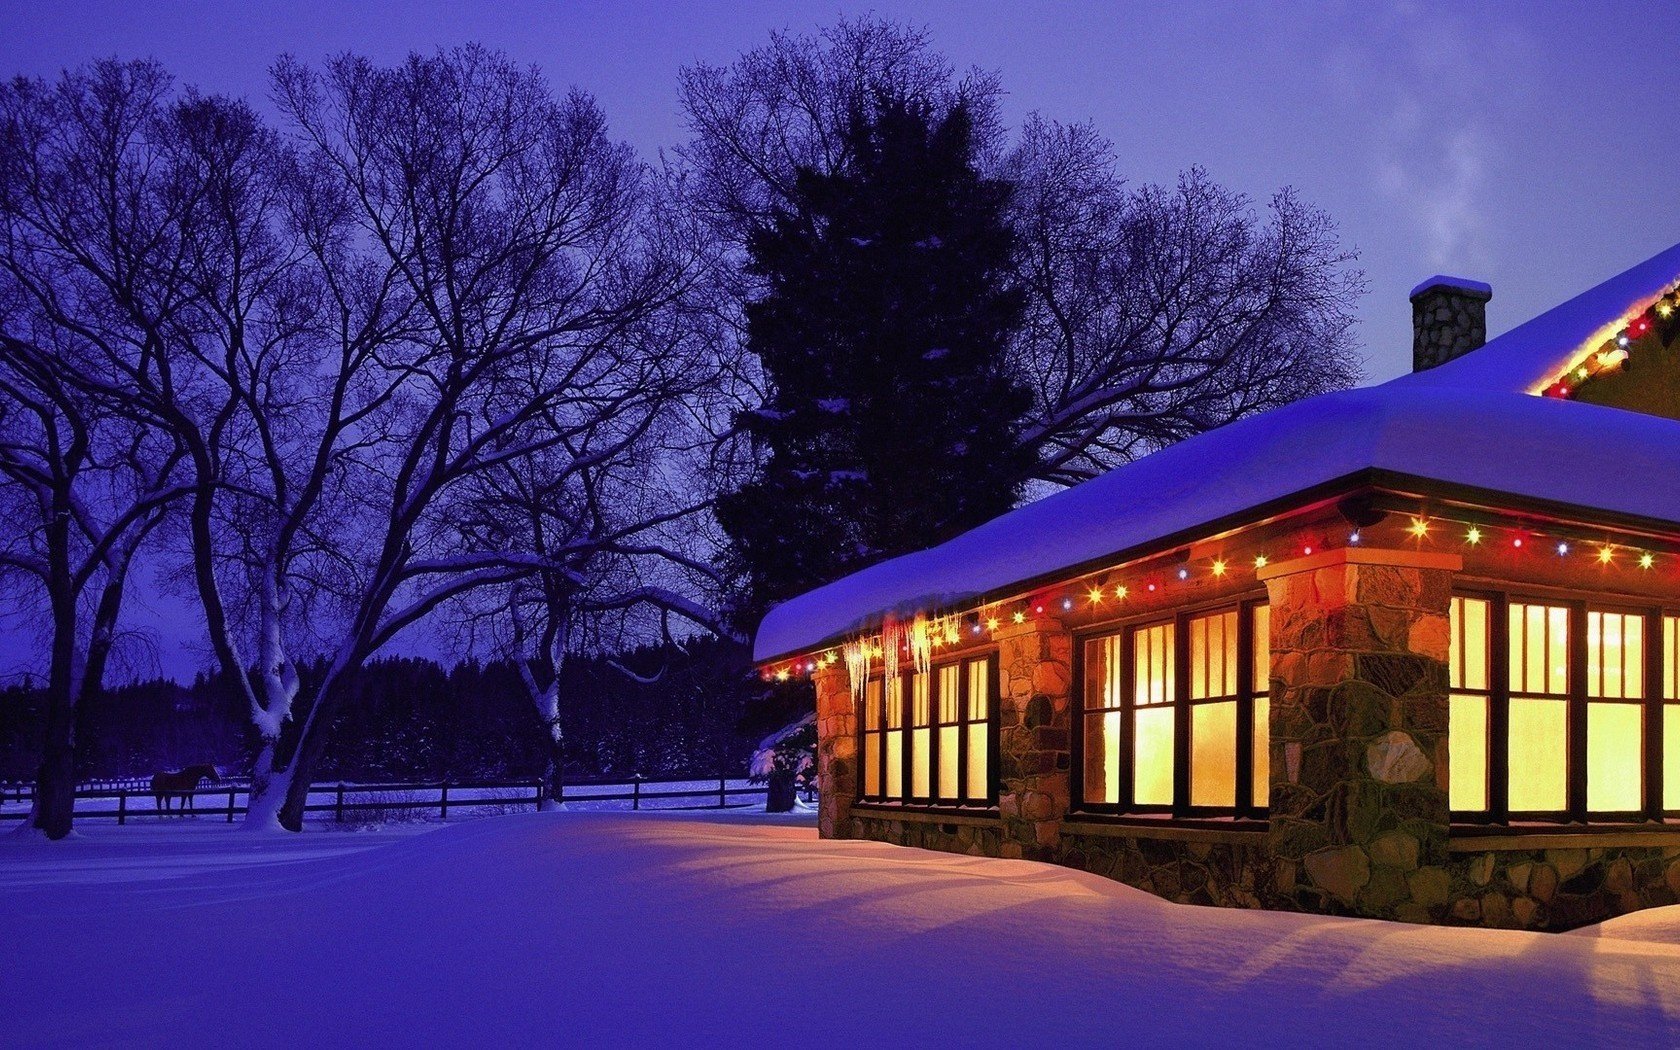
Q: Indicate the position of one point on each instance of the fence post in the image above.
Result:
(122, 809)
(636, 791)
(230, 805)
(443, 803)
(722, 800)
(539, 794)
(338, 806)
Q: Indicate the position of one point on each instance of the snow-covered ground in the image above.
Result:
(599, 929)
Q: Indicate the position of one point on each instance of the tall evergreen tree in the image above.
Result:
(891, 421)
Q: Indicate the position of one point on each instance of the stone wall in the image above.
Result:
(1035, 739)
(837, 745)
(1557, 888)
(1359, 730)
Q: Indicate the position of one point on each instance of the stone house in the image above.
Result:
(1410, 651)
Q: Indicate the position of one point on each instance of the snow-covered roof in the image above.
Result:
(1469, 422)
(1532, 355)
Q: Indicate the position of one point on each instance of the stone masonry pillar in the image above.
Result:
(837, 744)
(1035, 672)
(1359, 815)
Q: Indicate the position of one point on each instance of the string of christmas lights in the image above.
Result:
(1664, 313)
(914, 641)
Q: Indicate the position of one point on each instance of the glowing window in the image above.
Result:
(1538, 753)
(1153, 677)
(1468, 706)
(1100, 766)
(978, 784)
(1671, 712)
(1537, 747)
(1213, 710)
(950, 731)
(921, 738)
(895, 738)
(872, 694)
(1615, 715)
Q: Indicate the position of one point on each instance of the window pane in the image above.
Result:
(1262, 751)
(1468, 659)
(1539, 749)
(872, 704)
(921, 757)
(1671, 658)
(1615, 751)
(895, 703)
(979, 784)
(1615, 655)
(1539, 637)
(1152, 758)
(1102, 673)
(1153, 648)
(1213, 754)
(1199, 652)
(1213, 656)
(1102, 758)
(979, 690)
(919, 709)
(895, 763)
(1671, 756)
(950, 681)
(1262, 649)
(1467, 765)
(872, 764)
(950, 740)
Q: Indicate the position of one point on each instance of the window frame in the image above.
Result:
(906, 682)
(1577, 700)
(1180, 808)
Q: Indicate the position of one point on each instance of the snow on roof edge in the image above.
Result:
(1441, 280)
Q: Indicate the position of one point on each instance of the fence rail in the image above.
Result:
(228, 797)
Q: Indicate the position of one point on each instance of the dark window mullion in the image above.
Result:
(1181, 715)
(1499, 709)
(1653, 707)
(1245, 708)
(1577, 695)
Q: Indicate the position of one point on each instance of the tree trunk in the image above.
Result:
(55, 789)
(268, 792)
(299, 774)
(554, 774)
(781, 795)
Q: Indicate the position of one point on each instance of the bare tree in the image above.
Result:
(611, 522)
(1160, 312)
(83, 234)
(514, 229)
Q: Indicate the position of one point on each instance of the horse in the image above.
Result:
(181, 785)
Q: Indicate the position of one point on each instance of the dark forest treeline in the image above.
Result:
(414, 719)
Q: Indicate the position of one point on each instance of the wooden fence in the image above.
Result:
(227, 798)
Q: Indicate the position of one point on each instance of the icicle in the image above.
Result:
(857, 665)
(921, 644)
(892, 638)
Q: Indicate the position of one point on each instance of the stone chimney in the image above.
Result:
(1449, 319)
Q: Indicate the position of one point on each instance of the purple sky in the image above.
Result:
(1527, 145)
